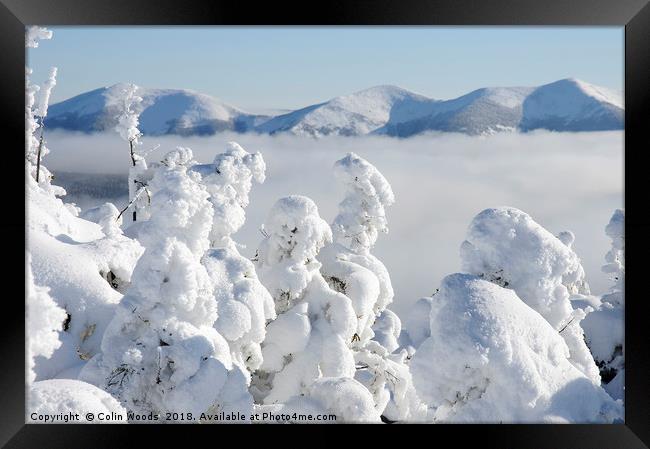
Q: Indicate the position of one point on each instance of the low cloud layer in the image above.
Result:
(563, 180)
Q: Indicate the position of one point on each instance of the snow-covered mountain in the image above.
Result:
(565, 105)
(351, 115)
(163, 111)
(572, 105)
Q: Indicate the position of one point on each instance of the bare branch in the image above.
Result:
(135, 197)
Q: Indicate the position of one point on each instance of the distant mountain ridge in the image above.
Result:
(564, 105)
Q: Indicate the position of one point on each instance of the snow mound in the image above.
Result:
(346, 398)
(57, 398)
(86, 272)
(491, 358)
(44, 322)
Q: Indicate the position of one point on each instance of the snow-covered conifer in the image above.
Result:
(312, 334)
(229, 179)
(35, 33)
(507, 247)
(492, 358)
(615, 258)
(604, 327)
(350, 269)
(124, 101)
(37, 100)
(244, 304)
(45, 93)
(161, 352)
(348, 265)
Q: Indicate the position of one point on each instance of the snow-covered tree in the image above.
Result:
(615, 258)
(605, 327)
(161, 352)
(71, 257)
(229, 180)
(35, 33)
(348, 265)
(491, 358)
(352, 270)
(37, 100)
(244, 304)
(312, 334)
(124, 101)
(507, 247)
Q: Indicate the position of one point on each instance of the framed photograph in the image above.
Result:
(361, 213)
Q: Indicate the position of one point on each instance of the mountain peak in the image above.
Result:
(568, 104)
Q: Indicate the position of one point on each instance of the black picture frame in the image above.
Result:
(634, 15)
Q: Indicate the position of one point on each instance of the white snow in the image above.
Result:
(186, 107)
(321, 320)
(176, 320)
(72, 257)
(44, 322)
(53, 401)
(506, 246)
(44, 94)
(346, 398)
(35, 33)
(605, 326)
(571, 99)
(161, 352)
(491, 358)
(244, 304)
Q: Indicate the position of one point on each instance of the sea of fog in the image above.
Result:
(565, 181)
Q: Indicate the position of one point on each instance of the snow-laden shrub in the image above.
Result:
(44, 322)
(312, 334)
(244, 304)
(605, 327)
(58, 398)
(507, 247)
(492, 358)
(349, 268)
(122, 100)
(161, 352)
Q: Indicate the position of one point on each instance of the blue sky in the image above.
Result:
(291, 67)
